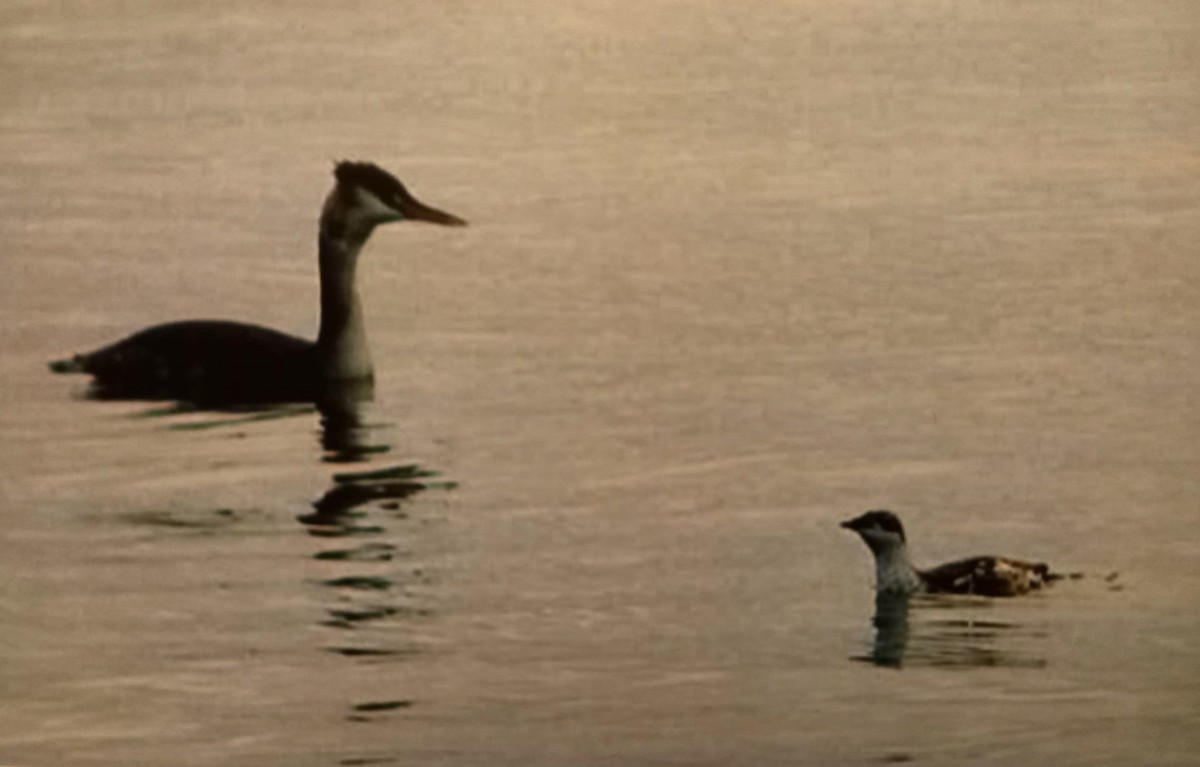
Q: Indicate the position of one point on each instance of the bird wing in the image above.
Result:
(986, 576)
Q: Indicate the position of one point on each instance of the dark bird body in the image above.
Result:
(987, 576)
(202, 361)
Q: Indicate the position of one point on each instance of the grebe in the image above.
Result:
(983, 576)
(213, 361)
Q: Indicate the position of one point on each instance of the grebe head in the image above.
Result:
(367, 196)
(880, 530)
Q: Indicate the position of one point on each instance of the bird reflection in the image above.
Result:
(346, 435)
(946, 632)
(891, 629)
(370, 576)
(340, 509)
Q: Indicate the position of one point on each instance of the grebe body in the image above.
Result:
(202, 361)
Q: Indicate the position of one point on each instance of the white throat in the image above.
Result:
(893, 572)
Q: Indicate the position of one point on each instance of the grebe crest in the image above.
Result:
(366, 196)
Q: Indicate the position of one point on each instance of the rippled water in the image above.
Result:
(734, 274)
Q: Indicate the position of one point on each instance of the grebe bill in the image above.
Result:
(221, 362)
(988, 576)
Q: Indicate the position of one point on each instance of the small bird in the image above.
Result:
(983, 576)
(216, 361)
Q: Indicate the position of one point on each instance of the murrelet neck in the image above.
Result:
(893, 570)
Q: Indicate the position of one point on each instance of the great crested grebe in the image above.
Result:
(215, 361)
(983, 576)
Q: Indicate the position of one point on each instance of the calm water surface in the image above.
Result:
(734, 274)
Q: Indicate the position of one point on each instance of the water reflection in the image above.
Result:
(366, 566)
(946, 632)
(342, 509)
(227, 417)
(377, 579)
(346, 436)
(891, 630)
(359, 512)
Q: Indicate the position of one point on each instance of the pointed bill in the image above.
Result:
(415, 210)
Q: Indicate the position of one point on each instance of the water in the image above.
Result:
(734, 274)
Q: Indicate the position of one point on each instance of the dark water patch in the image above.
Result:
(166, 411)
(967, 657)
(908, 632)
(341, 531)
(354, 494)
(401, 471)
(360, 582)
(1111, 581)
(203, 520)
(338, 526)
(341, 499)
(346, 510)
(355, 761)
(383, 705)
(367, 652)
(966, 629)
(254, 415)
(368, 552)
(347, 434)
(975, 623)
(376, 707)
(954, 602)
(371, 613)
(420, 576)
(352, 618)
(358, 454)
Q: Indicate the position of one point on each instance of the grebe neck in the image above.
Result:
(342, 351)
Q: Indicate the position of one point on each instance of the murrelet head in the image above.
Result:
(880, 530)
